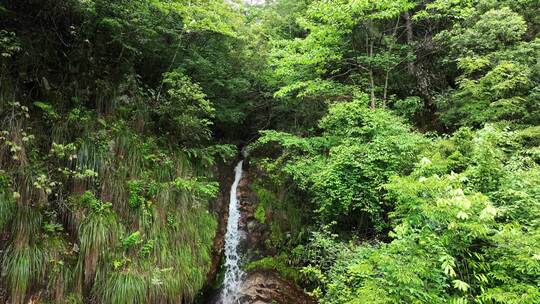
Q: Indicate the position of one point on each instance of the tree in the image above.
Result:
(342, 169)
(350, 45)
(497, 81)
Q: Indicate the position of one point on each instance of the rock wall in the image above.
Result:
(261, 286)
(267, 287)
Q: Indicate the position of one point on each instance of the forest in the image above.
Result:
(392, 148)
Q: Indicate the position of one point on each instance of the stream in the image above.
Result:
(243, 234)
(233, 273)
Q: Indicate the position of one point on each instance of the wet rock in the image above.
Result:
(221, 207)
(267, 287)
(259, 286)
(252, 226)
(253, 245)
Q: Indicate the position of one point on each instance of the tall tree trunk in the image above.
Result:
(416, 70)
(385, 93)
(410, 37)
(387, 76)
(372, 78)
(372, 89)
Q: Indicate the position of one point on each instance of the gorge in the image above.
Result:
(276, 151)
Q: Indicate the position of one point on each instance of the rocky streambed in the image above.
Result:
(258, 286)
(267, 287)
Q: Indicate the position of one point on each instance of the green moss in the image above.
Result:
(260, 213)
(265, 196)
(278, 263)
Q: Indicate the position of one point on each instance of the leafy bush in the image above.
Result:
(185, 112)
(450, 243)
(342, 170)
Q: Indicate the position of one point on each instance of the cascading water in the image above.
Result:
(233, 273)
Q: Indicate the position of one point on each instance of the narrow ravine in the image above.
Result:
(233, 272)
(241, 239)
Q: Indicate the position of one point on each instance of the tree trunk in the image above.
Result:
(416, 70)
(410, 37)
(372, 78)
(385, 93)
(372, 89)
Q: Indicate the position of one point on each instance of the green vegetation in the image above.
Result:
(395, 147)
(277, 263)
(260, 213)
(395, 215)
(106, 150)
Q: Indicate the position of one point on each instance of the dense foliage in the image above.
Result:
(397, 216)
(343, 168)
(395, 146)
(106, 149)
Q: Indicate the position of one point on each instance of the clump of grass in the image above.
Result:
(7, 204)
(90, 156)
(170, 262)
(129, 151)
(26, 225)
(97, 233)
(59, 270)
(122, 287)
(22, 266)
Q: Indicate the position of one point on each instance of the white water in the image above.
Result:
(233, 273)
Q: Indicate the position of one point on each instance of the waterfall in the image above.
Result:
(233, 273)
